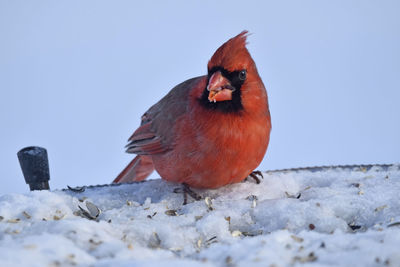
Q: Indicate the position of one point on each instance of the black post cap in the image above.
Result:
(35, 167)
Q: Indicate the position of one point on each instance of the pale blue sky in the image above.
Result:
(75, 77)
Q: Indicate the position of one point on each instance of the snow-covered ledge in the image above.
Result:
(328, 216)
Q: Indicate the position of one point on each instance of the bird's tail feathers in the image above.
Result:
(137, 170)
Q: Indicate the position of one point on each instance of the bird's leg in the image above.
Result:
(187, 191)
(255, 175)
(190, 192)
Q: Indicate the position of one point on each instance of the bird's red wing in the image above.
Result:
(156, 133)
(145, 142)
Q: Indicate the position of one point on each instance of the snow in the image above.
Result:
(329, 217)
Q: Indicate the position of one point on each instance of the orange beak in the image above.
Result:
(219, 87)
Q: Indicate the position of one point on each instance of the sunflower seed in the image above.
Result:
(211, 240)
(208, 202)
(228, 219)
(236, 233)
(13, 220)
(93, 209)
(394, 224)
(26, 215)
(78, 189)
(298, 195)
(171, 213)
(57, 218)
(253, 233)
(297, 239)
(252, 197)
(91, 212)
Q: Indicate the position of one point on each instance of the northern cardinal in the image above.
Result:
(208, 131)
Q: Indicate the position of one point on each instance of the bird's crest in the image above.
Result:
(232, 55)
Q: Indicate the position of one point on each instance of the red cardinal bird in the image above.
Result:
(208, 131)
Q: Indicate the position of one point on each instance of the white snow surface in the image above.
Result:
(300, 218)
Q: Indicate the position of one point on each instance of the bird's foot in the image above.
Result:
(255, 175)
(185, 189)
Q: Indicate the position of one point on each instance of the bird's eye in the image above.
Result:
(242, 75)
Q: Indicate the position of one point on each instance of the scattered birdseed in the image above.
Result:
(309, 258)
(82, 199)
(297, 238)
(254, 203)
(176, 249)
(354, 226)
(252, 197)
(91, 212)
(94, 242)
(394, 224)
(253, 233)
(26, 215)
(306, 188)
(147, 203)
(297, 196)
(151, 216)
(236, 233)
(211, 240)
(57, 218)
(253, 200)
(171, 213)
(13, 220)
(78, 189)
(228, 219)
(208, 202)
